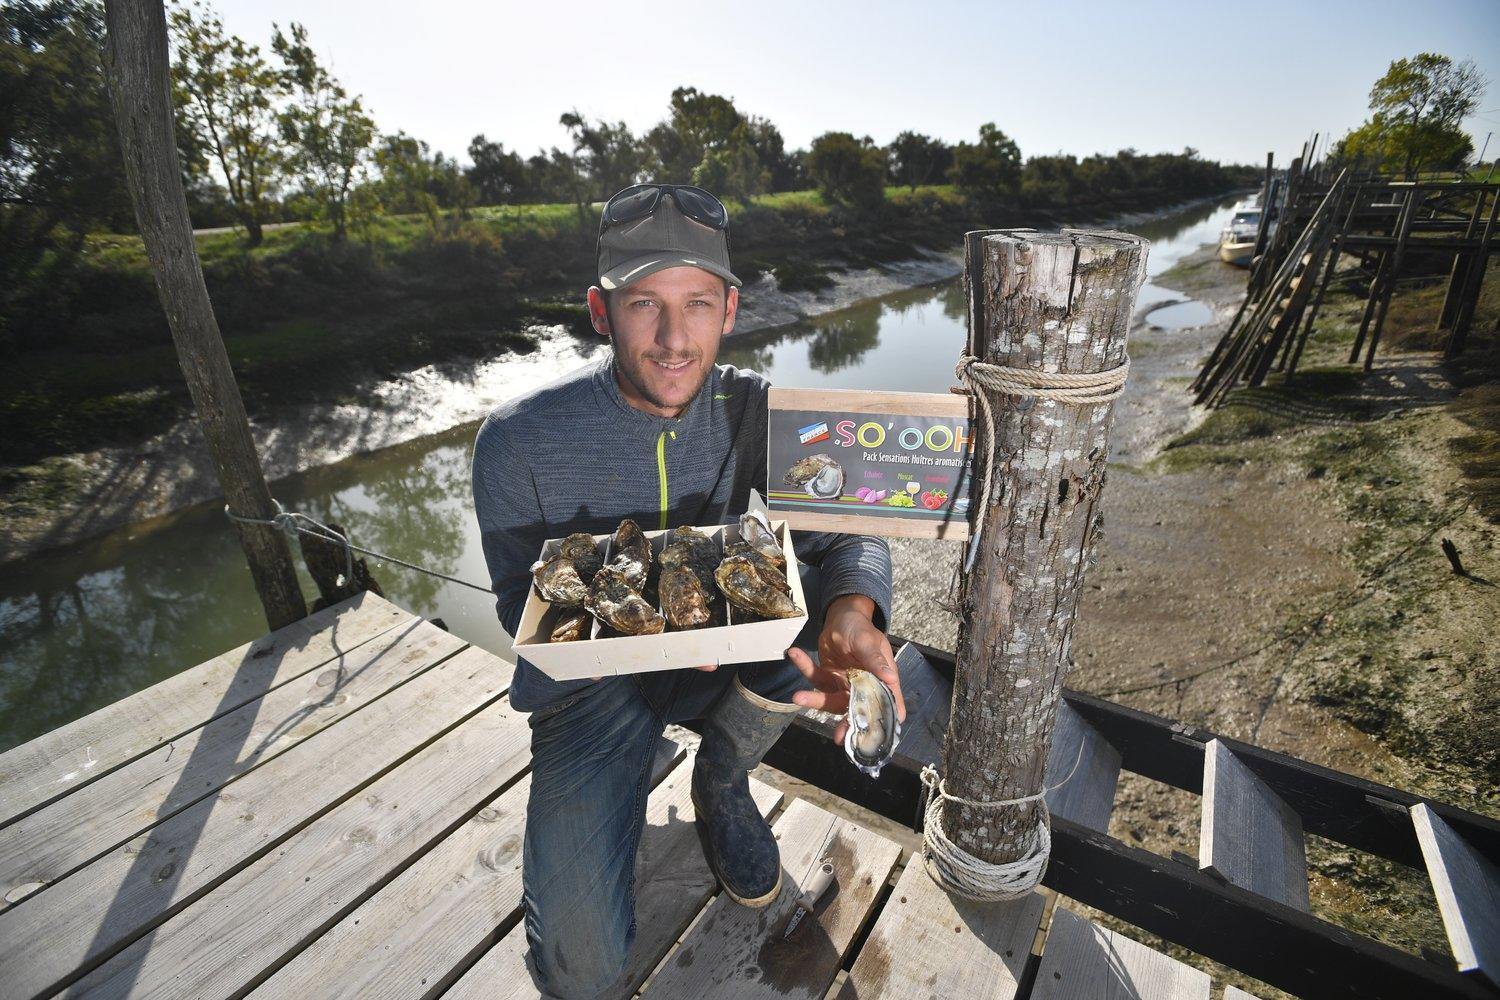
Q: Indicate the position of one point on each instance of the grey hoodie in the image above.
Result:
(573, 455)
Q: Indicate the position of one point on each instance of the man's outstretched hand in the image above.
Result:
(849, 639)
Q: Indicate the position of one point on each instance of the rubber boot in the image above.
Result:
(737, 841)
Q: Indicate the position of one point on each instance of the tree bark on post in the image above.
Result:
(135, 61)
(1059, 303)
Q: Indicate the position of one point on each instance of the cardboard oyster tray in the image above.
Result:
(599, 655)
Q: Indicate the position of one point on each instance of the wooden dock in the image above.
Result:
(337, 809)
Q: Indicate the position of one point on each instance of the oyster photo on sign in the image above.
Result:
(819, 475)
(558, 581)
(616, 603)
(571, 627)
(630, 553)
(874, 729)
(753, 585)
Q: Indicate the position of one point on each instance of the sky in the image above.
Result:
(1232, 80)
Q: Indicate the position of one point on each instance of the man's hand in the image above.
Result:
(849, 639)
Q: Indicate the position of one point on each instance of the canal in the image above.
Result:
(87, 625)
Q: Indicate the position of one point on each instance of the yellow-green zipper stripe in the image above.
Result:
(661, 472)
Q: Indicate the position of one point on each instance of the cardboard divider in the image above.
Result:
(603, 654)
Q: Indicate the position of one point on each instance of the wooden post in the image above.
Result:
(1056, 302)
(135, 61)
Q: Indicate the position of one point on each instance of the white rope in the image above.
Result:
(294, 522)
(961, 873)
(1082, 389)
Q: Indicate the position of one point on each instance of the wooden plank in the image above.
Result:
(265, 912)
(928, 696)
(1249, 836)
(1083, 961)
(929, 943)
(734, 951)
(672, 884)
(50, 766)
(57, 839)
(67, 928)
(1467, 886)
(1088, 796)
(414, 935)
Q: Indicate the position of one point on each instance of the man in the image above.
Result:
(654, 431)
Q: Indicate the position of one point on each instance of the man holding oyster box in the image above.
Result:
(653, 436)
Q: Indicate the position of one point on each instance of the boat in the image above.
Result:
(1237, 239)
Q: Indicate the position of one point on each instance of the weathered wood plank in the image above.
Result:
(1467, 886)
(928, 696)
(927, 943)
(1083, 961)
(735, 951)
(1249, 835)
(60, 932)
(1088, 797)
(410, 937)
(672, 884)
(52, 765)
(252, 922)
(48, 844)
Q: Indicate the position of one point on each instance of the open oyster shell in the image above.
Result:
(755, 531)
(874, 729)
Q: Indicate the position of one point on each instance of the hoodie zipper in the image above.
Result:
(661, 474)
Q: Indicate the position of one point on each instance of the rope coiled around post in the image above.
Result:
(961, 873)
(1081, 389)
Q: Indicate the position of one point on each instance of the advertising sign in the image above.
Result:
(870, 463)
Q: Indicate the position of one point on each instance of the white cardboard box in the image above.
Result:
(736, 642)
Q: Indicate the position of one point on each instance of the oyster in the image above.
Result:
(630, 553)
(819, 475)
(557, 580)
(755, 530)
(874, 729)
(753, 585)
(619, 605)
(573, 625)
(691, 548)
(584, 553)
(683, 599)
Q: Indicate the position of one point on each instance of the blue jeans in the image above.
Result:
(591, 758)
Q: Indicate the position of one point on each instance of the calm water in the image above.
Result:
(85, 626)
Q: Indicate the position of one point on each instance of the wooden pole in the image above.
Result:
(1055, 302)
(135, 61)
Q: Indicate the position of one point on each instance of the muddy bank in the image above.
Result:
(69, 498)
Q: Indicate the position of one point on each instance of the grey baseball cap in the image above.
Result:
(665, 238)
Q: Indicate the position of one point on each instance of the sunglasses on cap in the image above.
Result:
(639, 200)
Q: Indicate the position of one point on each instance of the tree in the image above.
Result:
(497, 175)
(59, 151)
(847, 170)
(991, 168)
(1417, 110)
(326, 131)
(228, 96)
(918, 159)
(734, 170)
(414, 180)
(608, 154)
